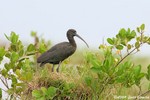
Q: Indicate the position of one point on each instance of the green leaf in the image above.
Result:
(120, 70)
(137, 70)
(14, 38)
(120, 79)
(133, 34)
(8, 55)
(2, 53)
(96, 69)
(31, 53)
(10, 91)
(95, 62)
(7, 66)
(106, 64)
(42, 98)
(138, 29)
(149, 87)
(137, 45)
(1, 58)
(21, 52)
(18, 73)
(118, 41)
(20, 45)
(141, 75)
(142, 27)
(13, 47)
(128, 31)
(52, 91)
(42, 48)
(148, 72)
(19, 89)
(0, 93)
(145, 39)
(33, 33)
(110, 41)
(88, 80)
(36, 93)
(21, 84)
(44, 90)
(119, 47)
(4, 72)
(30, 48)
(14, 56)
(102, 46)
(14, 79)
(129, 46)
(138, 39)
(138, 78)
(29, 76)
(122, 33)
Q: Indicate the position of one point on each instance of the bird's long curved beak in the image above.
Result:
(82, 40)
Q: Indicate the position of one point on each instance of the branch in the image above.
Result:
(141, 42)
(142, 94)
(145, 93)
(4, 83)
(125, 56)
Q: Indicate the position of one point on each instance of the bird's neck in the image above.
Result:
(72, 41)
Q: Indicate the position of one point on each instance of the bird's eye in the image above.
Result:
(74, 31)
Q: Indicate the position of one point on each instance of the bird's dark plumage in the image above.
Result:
(61, 51)
(57, 53)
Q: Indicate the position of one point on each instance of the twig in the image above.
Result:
(107, 81)
(142, 94)
(4, 83)
(139, 90)
(125, 57)
(145, 93)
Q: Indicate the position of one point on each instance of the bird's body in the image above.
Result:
(57, 53)
(61, 51)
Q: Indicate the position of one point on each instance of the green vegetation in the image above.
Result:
(100, 75)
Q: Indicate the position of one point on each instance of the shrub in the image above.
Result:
(101, 76)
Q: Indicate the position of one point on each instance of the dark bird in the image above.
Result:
(61, 51)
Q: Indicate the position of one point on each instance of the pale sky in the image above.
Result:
(93, 19)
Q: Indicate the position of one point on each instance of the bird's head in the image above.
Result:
(71, 33)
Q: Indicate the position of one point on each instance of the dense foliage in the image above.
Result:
(102, 75)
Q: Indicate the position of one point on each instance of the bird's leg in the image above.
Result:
(53, 68)
(58, 67)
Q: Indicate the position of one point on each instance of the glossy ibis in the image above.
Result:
(61, 51)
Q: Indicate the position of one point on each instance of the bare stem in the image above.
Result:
(105, 84)
(4, 82)
(145, 93)
(139, 90)
(125, 57)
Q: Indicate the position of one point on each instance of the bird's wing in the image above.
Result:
(57, 53)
